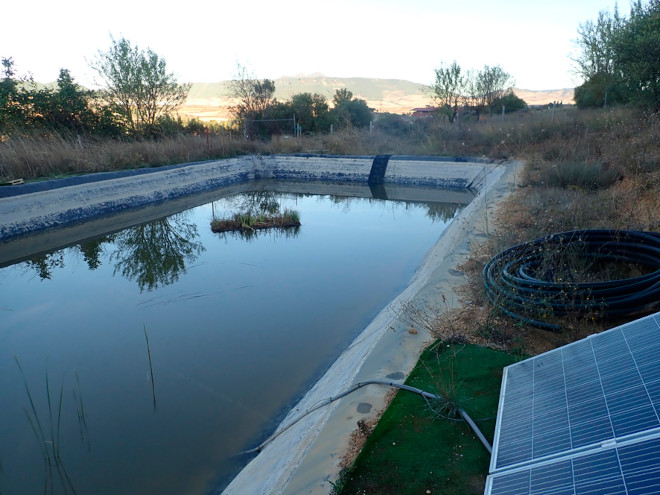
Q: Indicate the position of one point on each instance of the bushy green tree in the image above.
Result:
(619, 58)
(11, 108)
(637, 54)
(311, 111)
(138, 85)
(350, 111)
(342, 96)
(509, 101)
(68, 108)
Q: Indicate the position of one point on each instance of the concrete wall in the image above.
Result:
(34, 207)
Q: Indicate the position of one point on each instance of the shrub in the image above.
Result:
(581, 175)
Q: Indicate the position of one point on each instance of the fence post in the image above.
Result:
(553, 111)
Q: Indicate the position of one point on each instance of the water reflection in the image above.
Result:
(156, 254)
(253, 204)
(153, 254)
(46, 263)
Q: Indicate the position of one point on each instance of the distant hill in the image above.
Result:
(210, 101)
(546, 96)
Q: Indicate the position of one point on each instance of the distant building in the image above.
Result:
(423, 111)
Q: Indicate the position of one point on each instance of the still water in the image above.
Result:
(142, 361)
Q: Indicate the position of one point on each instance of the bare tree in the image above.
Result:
(253, 96)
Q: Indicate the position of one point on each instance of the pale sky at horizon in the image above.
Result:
(202, 41)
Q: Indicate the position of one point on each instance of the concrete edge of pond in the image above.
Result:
(306, 457)
(31, 208)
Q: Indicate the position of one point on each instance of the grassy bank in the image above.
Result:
(419, 447)
(584, 170)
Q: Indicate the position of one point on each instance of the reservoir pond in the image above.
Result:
(145, 360)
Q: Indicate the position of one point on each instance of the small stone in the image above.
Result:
(412, 331)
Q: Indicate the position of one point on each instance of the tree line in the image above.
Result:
(261, 114)
(140, 97)
(619, 58)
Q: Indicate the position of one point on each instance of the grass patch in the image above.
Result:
(249, 221)
(413, 449)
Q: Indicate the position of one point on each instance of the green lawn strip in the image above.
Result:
(411, 450)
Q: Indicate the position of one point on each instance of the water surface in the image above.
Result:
(142, 361)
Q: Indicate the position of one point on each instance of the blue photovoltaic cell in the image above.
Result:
(564, 416)
(630, 469)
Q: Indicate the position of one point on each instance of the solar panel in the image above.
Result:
(584, 418)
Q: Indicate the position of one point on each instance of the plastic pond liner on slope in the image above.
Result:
(143, 360)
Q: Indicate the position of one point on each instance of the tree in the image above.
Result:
(138, 85)
(454, 88)
(342, 96)
(492, 83)
(619, 58)
(68, 108)
(636, 48)
(311, 112)
(11, 110)
(509, 101)
(349, 111)
(448, 90)
(253, 96)
(595, 44)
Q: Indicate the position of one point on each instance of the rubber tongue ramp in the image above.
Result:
(378, 168)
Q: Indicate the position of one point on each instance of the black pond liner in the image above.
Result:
(524, 284)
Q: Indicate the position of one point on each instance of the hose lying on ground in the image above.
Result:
(329, 400)
(538, 281)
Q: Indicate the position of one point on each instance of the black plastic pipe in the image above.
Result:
(523, 283)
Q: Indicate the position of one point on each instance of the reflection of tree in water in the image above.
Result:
(155, 254)
(251, 235)
(92, 250)
(441, 211)
(254, 204)
(46, 263)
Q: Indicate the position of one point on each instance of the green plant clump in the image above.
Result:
(413, 449)
(251, 221)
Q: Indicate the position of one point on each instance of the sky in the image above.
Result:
(204, 40)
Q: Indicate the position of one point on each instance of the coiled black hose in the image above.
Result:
(540, 281)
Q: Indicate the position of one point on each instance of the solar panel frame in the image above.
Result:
(584, 404)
